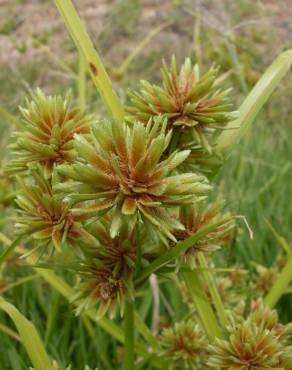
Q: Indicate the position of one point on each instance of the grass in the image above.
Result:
(255, 181)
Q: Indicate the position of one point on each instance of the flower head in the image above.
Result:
(43, 216)
(106, 269)
(254, 344)
(265, 278)
(194, 217)
(49, 124)
(194, 106)
(121, 167)
(184, 344)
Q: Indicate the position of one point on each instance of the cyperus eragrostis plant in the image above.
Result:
(124, 181)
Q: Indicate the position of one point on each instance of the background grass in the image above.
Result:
(243, 37)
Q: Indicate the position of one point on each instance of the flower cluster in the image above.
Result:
(195, 217)
(43, 217)
(121, 167)
(118, 193)
(258, 342)
(184, 344)
(49, 124)
(195, 107)
(106, 271)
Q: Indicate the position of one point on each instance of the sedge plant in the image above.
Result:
(114, 200)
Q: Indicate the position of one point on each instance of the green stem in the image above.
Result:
(213, 289)
(129, 336)
(94, 64)
(202, 304)
(281, 285)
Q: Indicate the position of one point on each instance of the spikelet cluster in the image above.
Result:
(258, 342)
(43, 217)
(107, 270)
(122, 168)
(49, 124)
(194, 217)
(195, 107)
(184, 344)
(118, 193)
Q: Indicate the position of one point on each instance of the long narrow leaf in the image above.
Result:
(29, 337)
(95, 66)
(281, 285)
(174, 252)
(254, 102)
(8, 251)
(202, 304)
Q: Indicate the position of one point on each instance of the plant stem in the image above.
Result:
(213, 289)
(202, 304)
(281, 285)
(94, 64)
(129, 335)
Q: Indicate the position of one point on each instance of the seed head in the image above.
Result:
(121, 167)
(49, 124)
(44, 217)
(184, 344)
(193, 218)
(195, 107)
(106, 270)
(253, 344)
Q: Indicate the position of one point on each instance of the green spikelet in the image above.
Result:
(44, 217)
(106, 269)
(193, 217)
(121, 168)
(185, 345)
(195, 107)
(49, 124)
(259, 342)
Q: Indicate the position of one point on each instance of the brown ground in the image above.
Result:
(33, 36)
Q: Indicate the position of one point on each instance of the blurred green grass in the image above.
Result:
(256, 181)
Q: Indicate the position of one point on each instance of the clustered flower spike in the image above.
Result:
(184, 344)
(257, 343)
(44, 217)
(195, 107)
(121, 167)
(106, 271)
(49, 124)
(193, 217)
